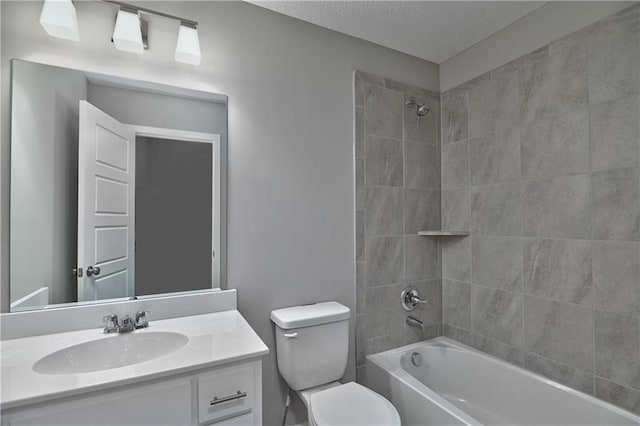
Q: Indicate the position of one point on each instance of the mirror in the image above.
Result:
(118, 188)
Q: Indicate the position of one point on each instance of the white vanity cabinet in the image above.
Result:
(222, 396)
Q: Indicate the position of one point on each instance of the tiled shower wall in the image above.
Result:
(540, 160)
(397, 194)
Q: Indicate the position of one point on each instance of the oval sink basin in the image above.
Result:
(111, 352)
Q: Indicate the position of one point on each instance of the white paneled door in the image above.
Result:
(106, 210)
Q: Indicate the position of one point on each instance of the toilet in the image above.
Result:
(312, 344)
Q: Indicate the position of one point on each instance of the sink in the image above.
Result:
(111, 352)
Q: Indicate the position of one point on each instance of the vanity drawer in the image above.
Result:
(226, 393)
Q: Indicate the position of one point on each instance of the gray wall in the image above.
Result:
(554, 20)
(397, 194)
(540, 161)
(44, 196)
(173, 215)
(290, 226)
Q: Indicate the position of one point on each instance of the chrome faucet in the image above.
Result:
(410, 298)
(142, 320)
(114, 325)
(415, 322)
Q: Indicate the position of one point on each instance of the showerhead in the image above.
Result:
(421, 110)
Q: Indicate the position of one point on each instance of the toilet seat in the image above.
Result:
(351, 404)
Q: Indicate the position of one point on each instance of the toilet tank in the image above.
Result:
(312, 343)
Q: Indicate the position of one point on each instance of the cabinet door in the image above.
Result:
(164, 403)
(245, 420)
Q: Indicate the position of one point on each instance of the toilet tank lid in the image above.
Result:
(308, 315)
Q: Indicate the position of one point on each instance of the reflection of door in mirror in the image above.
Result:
(117, 188)
(106, 208)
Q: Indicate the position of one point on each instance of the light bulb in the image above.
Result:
(58, 18)
(127, 34)
(188, 47)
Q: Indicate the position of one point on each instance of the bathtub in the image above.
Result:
(454, 384)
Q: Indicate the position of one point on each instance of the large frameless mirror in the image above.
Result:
(118, 188)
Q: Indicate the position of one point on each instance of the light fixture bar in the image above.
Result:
(130, 7)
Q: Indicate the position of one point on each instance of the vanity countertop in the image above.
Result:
(214, 339)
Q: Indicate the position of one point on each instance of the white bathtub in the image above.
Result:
(457, 385)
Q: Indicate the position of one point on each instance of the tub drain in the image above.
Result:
(416, 359)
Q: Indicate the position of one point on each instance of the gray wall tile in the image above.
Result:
(559, 331)
(456, 259)
(495, 158)
(555, 84)
(499, 350)
(414, 335)
(618, 348)
(383, 114)
(557, 207)
(493, 106)
(616, 276)
(558, 270)
(385, 260)
(615, 134)
(421, 210)
(384, 209)
(455, 118)
(497, 314)
(360, 287)
(460, 334)
(374, 345)
(383, 318)
(421, 129)
(394, 150)
(564, 172)
(614, 57)
(422, 259)
(383, 161)
(359, 133)
(496, 209)
(456, 209)
(455, 165)
(616, 205)
(361, 338)
(497, 262)
(360, 192)
(456, 300)
(560, 373)
(422, 166)
(359, 235)
(625, 397)
(556, 146)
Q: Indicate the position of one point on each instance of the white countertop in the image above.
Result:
(214, 339)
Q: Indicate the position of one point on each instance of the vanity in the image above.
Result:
(118, 194)
(177, 371)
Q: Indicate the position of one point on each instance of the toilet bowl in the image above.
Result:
(312, 345)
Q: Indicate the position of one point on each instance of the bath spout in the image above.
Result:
(415, 322)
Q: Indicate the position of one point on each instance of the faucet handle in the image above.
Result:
(410, 298)
(142, 320)
(110, 323)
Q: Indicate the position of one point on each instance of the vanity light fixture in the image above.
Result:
(188, 47)
(58, 18)
(127, 34)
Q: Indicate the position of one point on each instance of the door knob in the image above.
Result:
(93, 270)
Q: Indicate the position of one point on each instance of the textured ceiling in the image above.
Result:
(432, 30)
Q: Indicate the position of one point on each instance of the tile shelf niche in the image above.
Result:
(442, 233)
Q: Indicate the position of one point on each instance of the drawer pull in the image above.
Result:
(227, 398)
